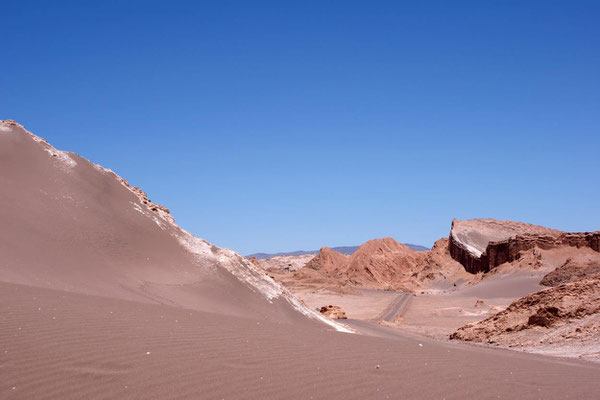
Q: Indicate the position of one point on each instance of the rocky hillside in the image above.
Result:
(382, 263)
(329, 262)
(561, 320)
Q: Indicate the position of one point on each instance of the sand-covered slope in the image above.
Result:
(71, 225)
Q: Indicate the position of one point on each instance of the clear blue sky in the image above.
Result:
(268, 126)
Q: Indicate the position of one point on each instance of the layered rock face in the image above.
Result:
(482, 244)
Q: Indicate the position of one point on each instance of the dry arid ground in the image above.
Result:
(104, 296)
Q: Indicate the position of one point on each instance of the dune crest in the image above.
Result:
(121, 244)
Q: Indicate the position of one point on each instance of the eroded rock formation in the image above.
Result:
(481, 245)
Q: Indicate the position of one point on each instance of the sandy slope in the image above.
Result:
(71, 225)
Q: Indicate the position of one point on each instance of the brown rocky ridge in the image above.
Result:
(383, 263)
(377, 264)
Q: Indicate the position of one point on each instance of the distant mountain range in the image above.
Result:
(341, 249)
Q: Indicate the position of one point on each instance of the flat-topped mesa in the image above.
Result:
(482, 244)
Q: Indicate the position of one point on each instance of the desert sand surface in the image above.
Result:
(61, 345)
(104, 296)
(438, 314)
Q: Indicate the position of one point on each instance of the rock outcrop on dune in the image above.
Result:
(562, 316)
(482, 244)
(572, 270)
(71, 225)
(334, 312)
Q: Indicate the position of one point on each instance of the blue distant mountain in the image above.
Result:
(341, 249)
